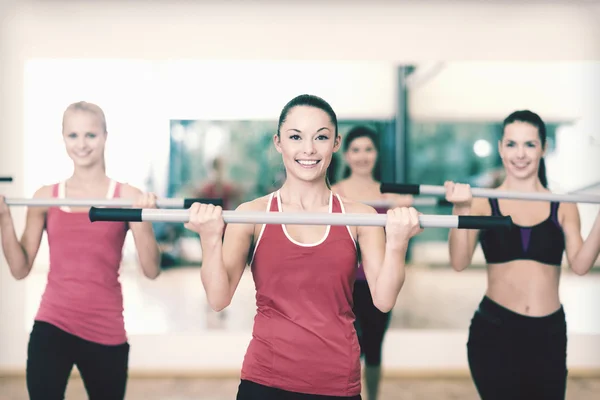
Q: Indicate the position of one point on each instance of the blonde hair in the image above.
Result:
(85, 106)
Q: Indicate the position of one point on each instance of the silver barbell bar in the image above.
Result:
(119, 202)
(297, 218)
(401, 188)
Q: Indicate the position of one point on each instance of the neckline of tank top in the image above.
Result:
(110, 194)
(327, 229)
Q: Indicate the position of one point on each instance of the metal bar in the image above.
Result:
(490, 193)
(416, 202)
(297, 218)
(56, 202)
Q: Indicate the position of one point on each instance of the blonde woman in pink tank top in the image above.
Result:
(361, 183)
(80, 318)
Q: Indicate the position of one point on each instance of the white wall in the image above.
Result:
(382, 32)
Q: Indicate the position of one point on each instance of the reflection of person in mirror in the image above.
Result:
(219, 187)
(361, 182)
(80, 317)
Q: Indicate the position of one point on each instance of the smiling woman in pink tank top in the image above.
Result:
(362, 183)
(304, 344)
(80, 318)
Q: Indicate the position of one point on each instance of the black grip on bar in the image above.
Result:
(400, 188)
(115, 214)
(6, 179)
(444, 203)
(483, 222)
(187, 203)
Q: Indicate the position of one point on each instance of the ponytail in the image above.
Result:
(542, 173)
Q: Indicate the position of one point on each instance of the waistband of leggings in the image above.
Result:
(489, 308)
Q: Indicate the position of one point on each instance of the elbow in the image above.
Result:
(152, 271)
(152, 275)
(577, 270)
(458, 266)
(218, 305)
(20, 273)
(458, 263)
(385, 306)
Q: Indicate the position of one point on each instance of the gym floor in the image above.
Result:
(176, 303)
(216, 389)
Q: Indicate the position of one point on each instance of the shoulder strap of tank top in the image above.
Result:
(554, 211)
(495, 206)
(336, 205)
(114, 189)
(275, 202)
(56, 190)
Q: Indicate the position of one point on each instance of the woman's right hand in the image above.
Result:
(206, 220)
(459, 194)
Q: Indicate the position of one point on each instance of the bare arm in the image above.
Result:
(223, 257)
(580, 254)
(462, 242)
(145, 241)
(20, 254)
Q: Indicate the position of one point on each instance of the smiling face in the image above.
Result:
(521, 150)
(84, 136)
(307, 140)
(361, 156)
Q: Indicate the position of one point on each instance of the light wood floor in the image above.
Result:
(215, 389)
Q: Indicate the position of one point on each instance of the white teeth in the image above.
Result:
(304, 162)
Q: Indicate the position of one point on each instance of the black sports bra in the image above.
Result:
(544, 242)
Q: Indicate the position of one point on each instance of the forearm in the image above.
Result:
(15, 255)
(147, 248)
(391, 277)
(214, 276)
(458, 243)
(589, 251)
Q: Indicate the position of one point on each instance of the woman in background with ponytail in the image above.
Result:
(517, 347)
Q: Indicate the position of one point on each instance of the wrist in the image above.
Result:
(461, 210)
(400, 245)
(5, 220)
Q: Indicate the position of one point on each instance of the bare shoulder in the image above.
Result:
(337, 187)
(43, 192)
(568, 212)
(128, 190)
(258, 204)
(357, 207)
(481, 206)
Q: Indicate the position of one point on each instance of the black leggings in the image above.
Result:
(52, 353)
(371, 324)
(249, 390)
(512, 356)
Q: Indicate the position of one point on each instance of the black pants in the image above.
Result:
(512, 356)
(249, 390)
(371, 324)
(52, 353)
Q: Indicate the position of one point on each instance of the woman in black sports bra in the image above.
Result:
(517, 346)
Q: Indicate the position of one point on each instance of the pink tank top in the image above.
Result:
(304, 338)
(83, 294)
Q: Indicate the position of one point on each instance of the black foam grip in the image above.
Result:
(115, 214)
(444, 203)
(400, 188)
(187, 203)
(6, 179)
(483, 222)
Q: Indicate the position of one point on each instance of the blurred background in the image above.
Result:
(192, 92)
